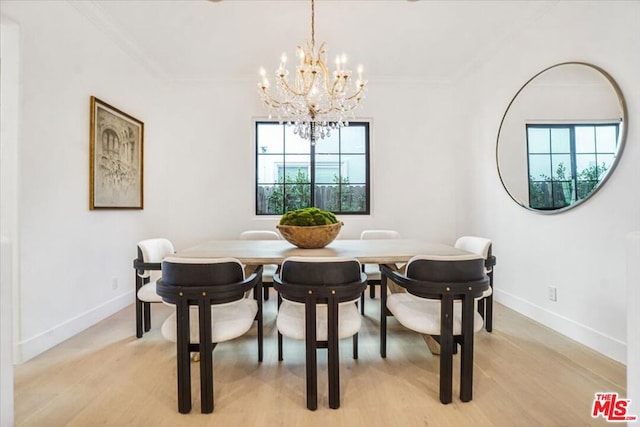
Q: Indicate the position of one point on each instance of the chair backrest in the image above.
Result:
(477, 245)
(218, 277)
(299, 275)
(259, 235)
(379, 234)
(153, 251)
(441, 274)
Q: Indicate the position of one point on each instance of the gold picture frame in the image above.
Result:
(116, 158)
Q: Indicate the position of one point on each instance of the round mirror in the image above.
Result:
(561, 137)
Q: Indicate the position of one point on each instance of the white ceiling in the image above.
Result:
(231, 39)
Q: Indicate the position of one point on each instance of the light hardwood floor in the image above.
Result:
(524, 375)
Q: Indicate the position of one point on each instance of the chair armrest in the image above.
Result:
(394, 275)
(224, 293)
(298, 292)
(141, 266)
(435, 290)
(490, 262)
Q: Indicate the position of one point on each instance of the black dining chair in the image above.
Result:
(211, 307)
(439, 301)
(484, 248)
(148, 266)
(317, 303)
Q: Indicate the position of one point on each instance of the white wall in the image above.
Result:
(9, 101)
(213, 155)
(633, 318)
(582, 251)
(69, 257)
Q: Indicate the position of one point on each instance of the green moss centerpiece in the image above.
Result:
(309, 228)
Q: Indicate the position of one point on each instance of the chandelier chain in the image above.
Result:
(313, 23)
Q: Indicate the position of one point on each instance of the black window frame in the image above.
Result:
(312, 170)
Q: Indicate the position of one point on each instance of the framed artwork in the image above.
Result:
(116, 158)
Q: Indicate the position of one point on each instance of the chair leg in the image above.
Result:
(446, 349)
(260, 325)
(362, 304)
(488, 321)
(147, 316)
(333, 358)
(265, 290)
(311, 356)
(279, 334)
(383, 317)
(206, 357)
(372, 290)
(355, 346)
(139, 325)
(466, 358)
(183, 359)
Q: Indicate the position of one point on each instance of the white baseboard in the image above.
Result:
(40, 343)
(608, 346)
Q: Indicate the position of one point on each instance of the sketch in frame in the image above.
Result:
(116, 158)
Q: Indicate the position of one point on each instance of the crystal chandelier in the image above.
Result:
(317, 101)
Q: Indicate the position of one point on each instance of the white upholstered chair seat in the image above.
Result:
(268, 270)
(372, 271)
(290, 321)
(487, 293)
(147, 293)
(228, 321)
(423, 315)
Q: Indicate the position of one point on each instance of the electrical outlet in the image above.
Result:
(114, 283)
(552, 293)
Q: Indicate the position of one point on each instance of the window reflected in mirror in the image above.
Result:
(561, 137)
(566, 162)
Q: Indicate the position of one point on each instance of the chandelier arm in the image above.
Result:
(273, 102)
(355, 95)
(287, 86)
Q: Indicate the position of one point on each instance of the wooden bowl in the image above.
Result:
(312, 237)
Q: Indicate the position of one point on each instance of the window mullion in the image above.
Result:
(574, 161)
(312, 173)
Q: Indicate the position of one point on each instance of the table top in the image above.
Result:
(256, 252)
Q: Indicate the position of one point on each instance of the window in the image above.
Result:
(291, 173)
(566, 162)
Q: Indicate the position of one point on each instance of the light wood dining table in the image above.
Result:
(259, 252)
